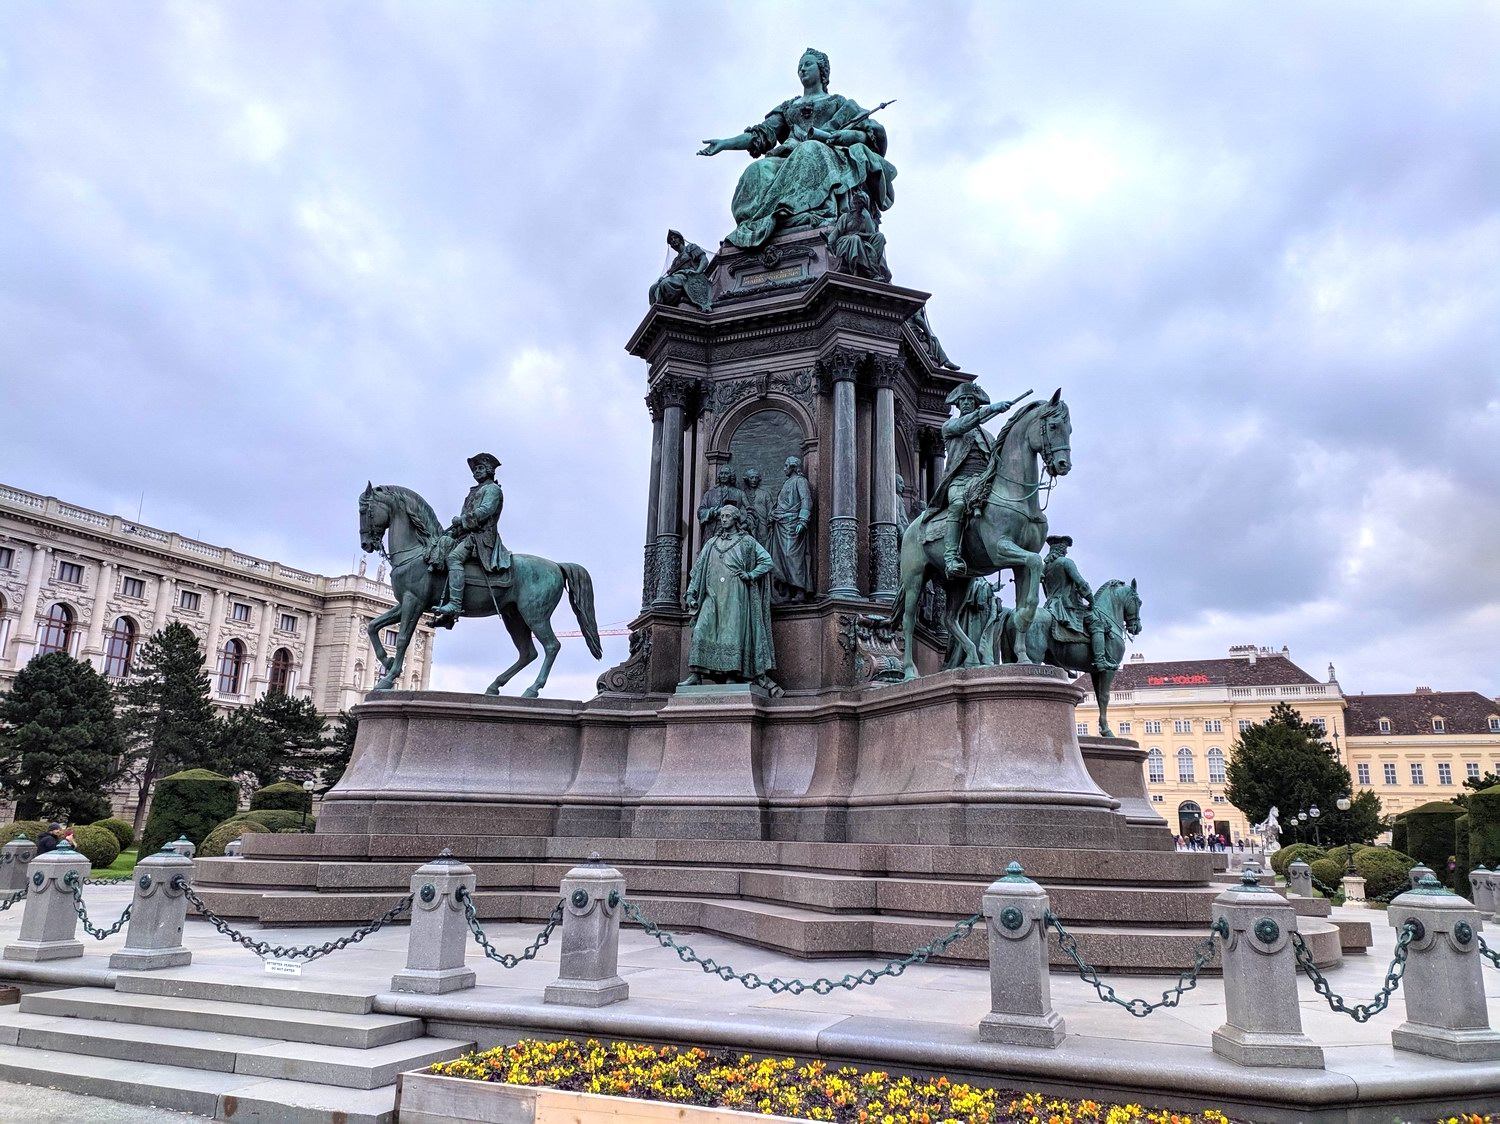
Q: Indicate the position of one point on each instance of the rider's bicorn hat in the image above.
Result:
(968, 389)
(1059, 540)
(483, 458)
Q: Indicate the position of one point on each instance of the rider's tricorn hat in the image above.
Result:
(1059, 540)
(967, 390)
(487, 459)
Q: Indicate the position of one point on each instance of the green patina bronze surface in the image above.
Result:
(810, 153)
(686, 277)
(729, 598)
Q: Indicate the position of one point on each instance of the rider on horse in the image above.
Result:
(475, 533)
(968, 448)
(1069, 601)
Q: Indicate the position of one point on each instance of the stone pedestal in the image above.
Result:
(588, 974)
(439, 934)
(48, 925)
(158, 913)
(15, 856)
(1447, 1015)
(1354, 892)
(1299, 879)
(1118, 766)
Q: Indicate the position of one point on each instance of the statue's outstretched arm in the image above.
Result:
(728, 144)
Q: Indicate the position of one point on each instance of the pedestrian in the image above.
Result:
(49, 839)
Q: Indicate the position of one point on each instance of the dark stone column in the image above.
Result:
(648, 579)
(885, 541)
(843, 529)
(673, 394)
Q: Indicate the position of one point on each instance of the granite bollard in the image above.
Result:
(158, 913)
(48, 925)
(593, 896)
(14, 857)
(1354, 892)
(1418, 873)
(1299, 879)
(439, 933)
(183, 846)
(1446, 1012)
(1263, 1024)
(1484, 890)
(1021, 1014)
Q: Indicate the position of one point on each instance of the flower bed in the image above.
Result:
(718, 1080)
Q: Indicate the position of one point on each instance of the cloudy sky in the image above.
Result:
(253, 254)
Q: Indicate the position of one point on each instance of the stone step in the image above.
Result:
(229, 1053)
(197, 982)
(220, 1096)
(324, 1028)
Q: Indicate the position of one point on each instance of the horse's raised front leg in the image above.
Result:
(390, 616)
(408, 611)
(520, 635)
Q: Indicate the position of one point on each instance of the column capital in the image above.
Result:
(885, 371)
(842, 364)
(671, 390)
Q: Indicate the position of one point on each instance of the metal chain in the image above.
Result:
(123, 880)
(505, 959)
(1488, 953)
(1203, 955)
(73, 883)
(1360, 1012)
(13, 899)
(308, 952)
(821, 986)
(1383, 899)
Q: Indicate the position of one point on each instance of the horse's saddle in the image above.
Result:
(436, 558)
(1059, 630)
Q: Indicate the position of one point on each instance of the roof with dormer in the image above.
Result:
(1462, 712)
(1263, 671)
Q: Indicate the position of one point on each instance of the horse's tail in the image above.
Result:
(581, 597)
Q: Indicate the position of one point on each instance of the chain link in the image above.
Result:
(505, 959)
(1488, 953)
(19, 895)
(307, 952)
(821, 986)
(1383, 899)
(75, 883)
(123, 880)
(1203, 955)
(1360, 1012)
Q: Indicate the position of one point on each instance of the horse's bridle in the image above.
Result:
(1043, 488)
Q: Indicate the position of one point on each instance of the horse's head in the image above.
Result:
(1121, 603)
(1132, 607)
(374, 518)
(1053, 430)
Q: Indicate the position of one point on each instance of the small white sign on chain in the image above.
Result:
(282, 967)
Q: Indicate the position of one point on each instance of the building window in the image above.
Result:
(1363, 772)
(1158, 798)
(189, 600)
(1245, 724)
(390, 638)
(1471, 770)
(1182, 725)
(1218, 800)
(7, 558)
(119, 648)
(241, 613)
(1124, 727)
(1156, 767)
(231, 668)
(1385, 725)
(1416, 773)
(1439, 726)
(1213, 726)
(1185, 766)
(1321, 724)
(1153, 726)
(288, 623)
(1494, 725)
(1388, 773)
(281, 671)
(57, 630)
(133, 587)
(70, 573)
(1445, 773)
(1083, 729)
(1215, 765)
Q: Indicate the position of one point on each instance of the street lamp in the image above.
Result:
(1314, 812)
(307, 788)
(1344, 804)
(1301, 827)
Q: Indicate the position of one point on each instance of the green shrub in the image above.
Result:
(122, 831)
(1429, 836)
(1383, 870)
(97, 844)
(29, 828)
(190, 803)
(225, 834)
(1288, 855)
(1484, 826)
(284, 796)
(1398, 834)
(1330, 870)
(277, 819)
(1461, 882)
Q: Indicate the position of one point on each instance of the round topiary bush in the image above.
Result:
(97, 844)
(1461, 883)
(1429, 836)
(278, 819)
(122, 831)
(1383, 870)
(225, 834)
(284, 796)
(1288, 855)
(1330, 870)
(190, 803)
(29, 828)
(1484, 827)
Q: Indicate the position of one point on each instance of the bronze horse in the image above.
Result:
(1006, 531)
(525, 603)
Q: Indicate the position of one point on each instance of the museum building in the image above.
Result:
(1414, 748)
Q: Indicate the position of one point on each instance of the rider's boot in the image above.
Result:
(454, 605)
(1096, 642)
(953, 562)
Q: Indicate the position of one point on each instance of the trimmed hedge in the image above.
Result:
(276, 819)
(1329, 871)
(190, 803)
(1383, 870)
(225, 834)
(283, 795)
(1285, 857)
(123, 831)
(1484, 826)
(1461, 853)
(1429, 836)
(29, 828)
(97, 844)
(1398, 833)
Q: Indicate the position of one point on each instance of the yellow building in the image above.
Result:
(1187, 713)
(1414, 748)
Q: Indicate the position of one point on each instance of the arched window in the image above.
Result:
(1215, 765)
(1156, 767)
(1185, 766)
(119, 648)
(57, 630)
(281, 671)
(1189, 818)
(231, 668)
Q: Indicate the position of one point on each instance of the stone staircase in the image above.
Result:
(231, 1051)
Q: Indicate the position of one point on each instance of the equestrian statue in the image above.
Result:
(986, 515)
(468, 569)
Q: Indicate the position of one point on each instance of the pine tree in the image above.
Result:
(167, 712)
(276, 738)
(59, 740)
(1285, 762)
(339, 745)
